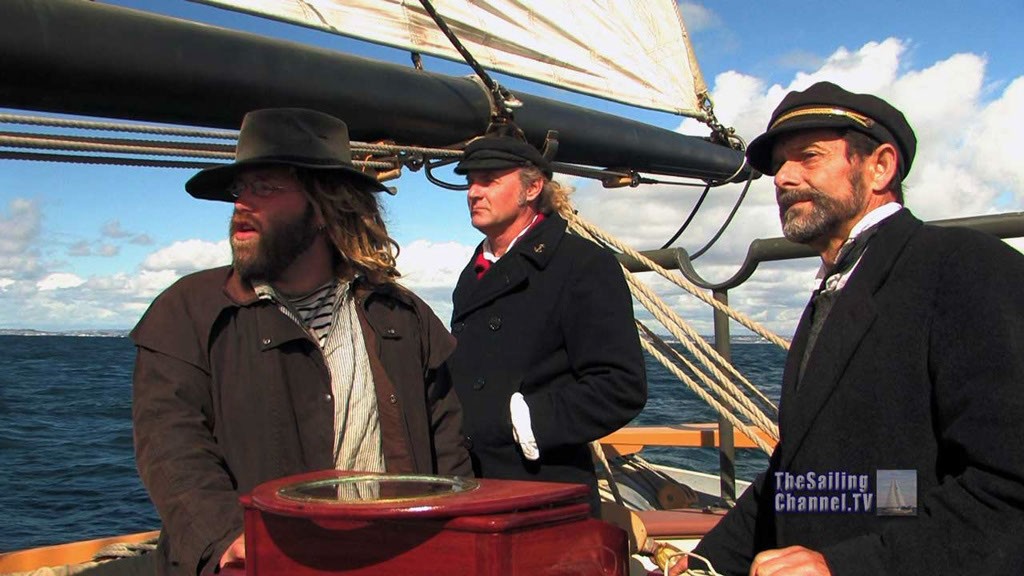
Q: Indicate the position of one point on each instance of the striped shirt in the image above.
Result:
(329, 315)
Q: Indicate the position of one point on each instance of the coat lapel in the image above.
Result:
(845, 328)
(534, 250)
(504, 276)
(792, 369)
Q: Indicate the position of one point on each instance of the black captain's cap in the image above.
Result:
(499, 153)
(825, 105)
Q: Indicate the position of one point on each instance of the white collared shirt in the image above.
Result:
(836, 282)
(489, 254)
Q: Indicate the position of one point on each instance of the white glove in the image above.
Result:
(522, 427)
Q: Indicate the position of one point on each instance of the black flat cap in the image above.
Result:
(825, 105)
(499, 153)
(290, 136)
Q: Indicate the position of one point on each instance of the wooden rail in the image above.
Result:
(632, 439)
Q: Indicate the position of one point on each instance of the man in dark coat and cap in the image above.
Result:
(548, 357)
(903, 393)
(304, 354)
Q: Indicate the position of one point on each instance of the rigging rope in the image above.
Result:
(681, 281)
(728, 220)
(695, 344)
(502, 100)
(118, 127)
(686, 223)
(668, 357)
(726, 390)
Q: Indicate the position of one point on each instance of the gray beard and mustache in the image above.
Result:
(276, 247)
(826, 216)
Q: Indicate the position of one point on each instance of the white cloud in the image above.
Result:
(59, 280)
(431, 270)
(61, 300)
(426, 264)
(189, 256)
(966, 164)
(993, 146)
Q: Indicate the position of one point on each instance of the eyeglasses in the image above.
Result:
(259, 188)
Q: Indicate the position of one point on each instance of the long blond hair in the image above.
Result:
(355, 225)
(554, 197)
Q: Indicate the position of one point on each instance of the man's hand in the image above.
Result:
(233, 559)
(794, 560)
(680, 566)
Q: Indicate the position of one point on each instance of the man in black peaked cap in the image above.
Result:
(548, 357)
(304, 354)
(903, 394)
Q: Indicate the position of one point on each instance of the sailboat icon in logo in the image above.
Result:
(897, 493)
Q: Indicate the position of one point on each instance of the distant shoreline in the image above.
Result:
(110, 333)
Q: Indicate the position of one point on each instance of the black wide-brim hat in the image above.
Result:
(288, 136)
(500, 153)
(826, 105)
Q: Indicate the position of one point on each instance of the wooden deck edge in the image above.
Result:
(64, 554)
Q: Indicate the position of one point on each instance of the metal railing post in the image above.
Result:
(726, 440)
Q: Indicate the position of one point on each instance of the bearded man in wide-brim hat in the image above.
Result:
(304, 354)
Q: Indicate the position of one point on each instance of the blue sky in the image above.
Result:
(90, 246)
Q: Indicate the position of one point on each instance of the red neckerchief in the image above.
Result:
(481, 265)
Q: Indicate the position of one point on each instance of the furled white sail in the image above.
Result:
(631, 51)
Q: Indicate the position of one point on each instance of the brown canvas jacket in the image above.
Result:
(230, 393)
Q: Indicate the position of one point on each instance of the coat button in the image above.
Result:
(391, 332)
(494, 322)
(393, 399)
(468, 442)
(266, 341)
(479, 384)
(328, 398)
(458, 327)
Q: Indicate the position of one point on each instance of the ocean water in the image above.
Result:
(67, 470)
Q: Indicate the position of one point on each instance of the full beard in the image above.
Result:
(266, 257)
(827, 212)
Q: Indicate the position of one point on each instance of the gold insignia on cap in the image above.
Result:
(824, 111)
(538, 248)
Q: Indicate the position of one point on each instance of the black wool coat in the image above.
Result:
(552, 319)
(919, 367)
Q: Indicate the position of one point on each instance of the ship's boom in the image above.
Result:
(86, 58)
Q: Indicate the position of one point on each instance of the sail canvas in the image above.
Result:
(631, 51)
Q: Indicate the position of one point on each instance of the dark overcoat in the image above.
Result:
(552, 319)
(918, 367)
(230, 393)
